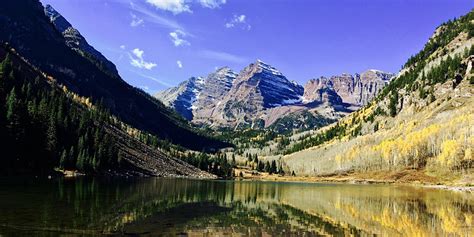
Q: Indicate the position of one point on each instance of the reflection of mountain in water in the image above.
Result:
(174, 206)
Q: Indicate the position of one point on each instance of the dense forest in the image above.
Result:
(43, 128)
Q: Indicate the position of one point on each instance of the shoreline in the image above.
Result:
(361, 179)
(309, 180)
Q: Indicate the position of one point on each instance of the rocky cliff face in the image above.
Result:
(215, 87)
(257, 87)
(77, 42)
(357, 90)
(182, 97)
(260, 95)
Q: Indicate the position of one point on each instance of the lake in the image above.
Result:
(181, 207)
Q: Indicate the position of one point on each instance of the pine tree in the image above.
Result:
(80, 161)
(11, 105)
(233, 161)
(392, 106)
(51, 139)
(267, 167)
(71, 159)
(273, 168)
(63, 160)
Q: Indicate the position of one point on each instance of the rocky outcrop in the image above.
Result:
(215, 87)
(182, 97)
(357, 90)
(77, 42)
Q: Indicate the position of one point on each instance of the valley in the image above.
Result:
(157, 118)
(418, 121)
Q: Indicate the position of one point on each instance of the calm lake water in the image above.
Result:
(180, 207)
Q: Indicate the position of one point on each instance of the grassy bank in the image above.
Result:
(455, 182)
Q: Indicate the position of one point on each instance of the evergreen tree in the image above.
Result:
(273, 168)
(63, 160)
(51, 139)
(392, 106)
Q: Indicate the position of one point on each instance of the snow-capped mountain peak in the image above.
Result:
(267, 68)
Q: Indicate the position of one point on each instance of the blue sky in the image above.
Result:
(159, 43)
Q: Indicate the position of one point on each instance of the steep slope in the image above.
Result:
(77, 42)
(182, 97)
(216, 86)
(66, 131)
(25, 27)
(422, 121)
(357, 90)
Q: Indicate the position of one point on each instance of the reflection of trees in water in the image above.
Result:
(389, 210)
(264, 218)
(256, 207)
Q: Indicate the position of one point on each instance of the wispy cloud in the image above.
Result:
(179, 63)
(136, 21)
(238, 20)
(152, 17)
(163, 83)
(174, 6)
(177, 38)
(137, 60)
(222, 56)
(180, 6)
(212, 3)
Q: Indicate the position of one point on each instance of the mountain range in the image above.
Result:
(260, 96)
(48, 41)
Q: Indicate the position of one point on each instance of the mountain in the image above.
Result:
(182, 97)
(357, 90)
(67, 58)
(215, 87)
(258, 87)
(65, 131)
(261, 96)
(419, 127)
(196, 97)
(77, 42)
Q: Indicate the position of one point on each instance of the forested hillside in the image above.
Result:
(26, 28)
(423, 120)
(44, 126)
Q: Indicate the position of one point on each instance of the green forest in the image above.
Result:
(42, 128)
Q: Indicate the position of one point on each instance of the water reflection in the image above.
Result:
(179, 207)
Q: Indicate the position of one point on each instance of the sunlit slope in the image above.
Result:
(423, 120)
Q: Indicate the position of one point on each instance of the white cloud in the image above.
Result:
(174, 6)
(136, 21)
(137, 60)
(238, 20)
(154, 18)
(122, 46)
(212, 3)
(179, 63)
(222, 56)
(177, 38)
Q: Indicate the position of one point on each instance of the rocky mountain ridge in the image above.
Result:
(260, 95)
(77, 42)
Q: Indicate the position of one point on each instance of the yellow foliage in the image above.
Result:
(449, 152)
